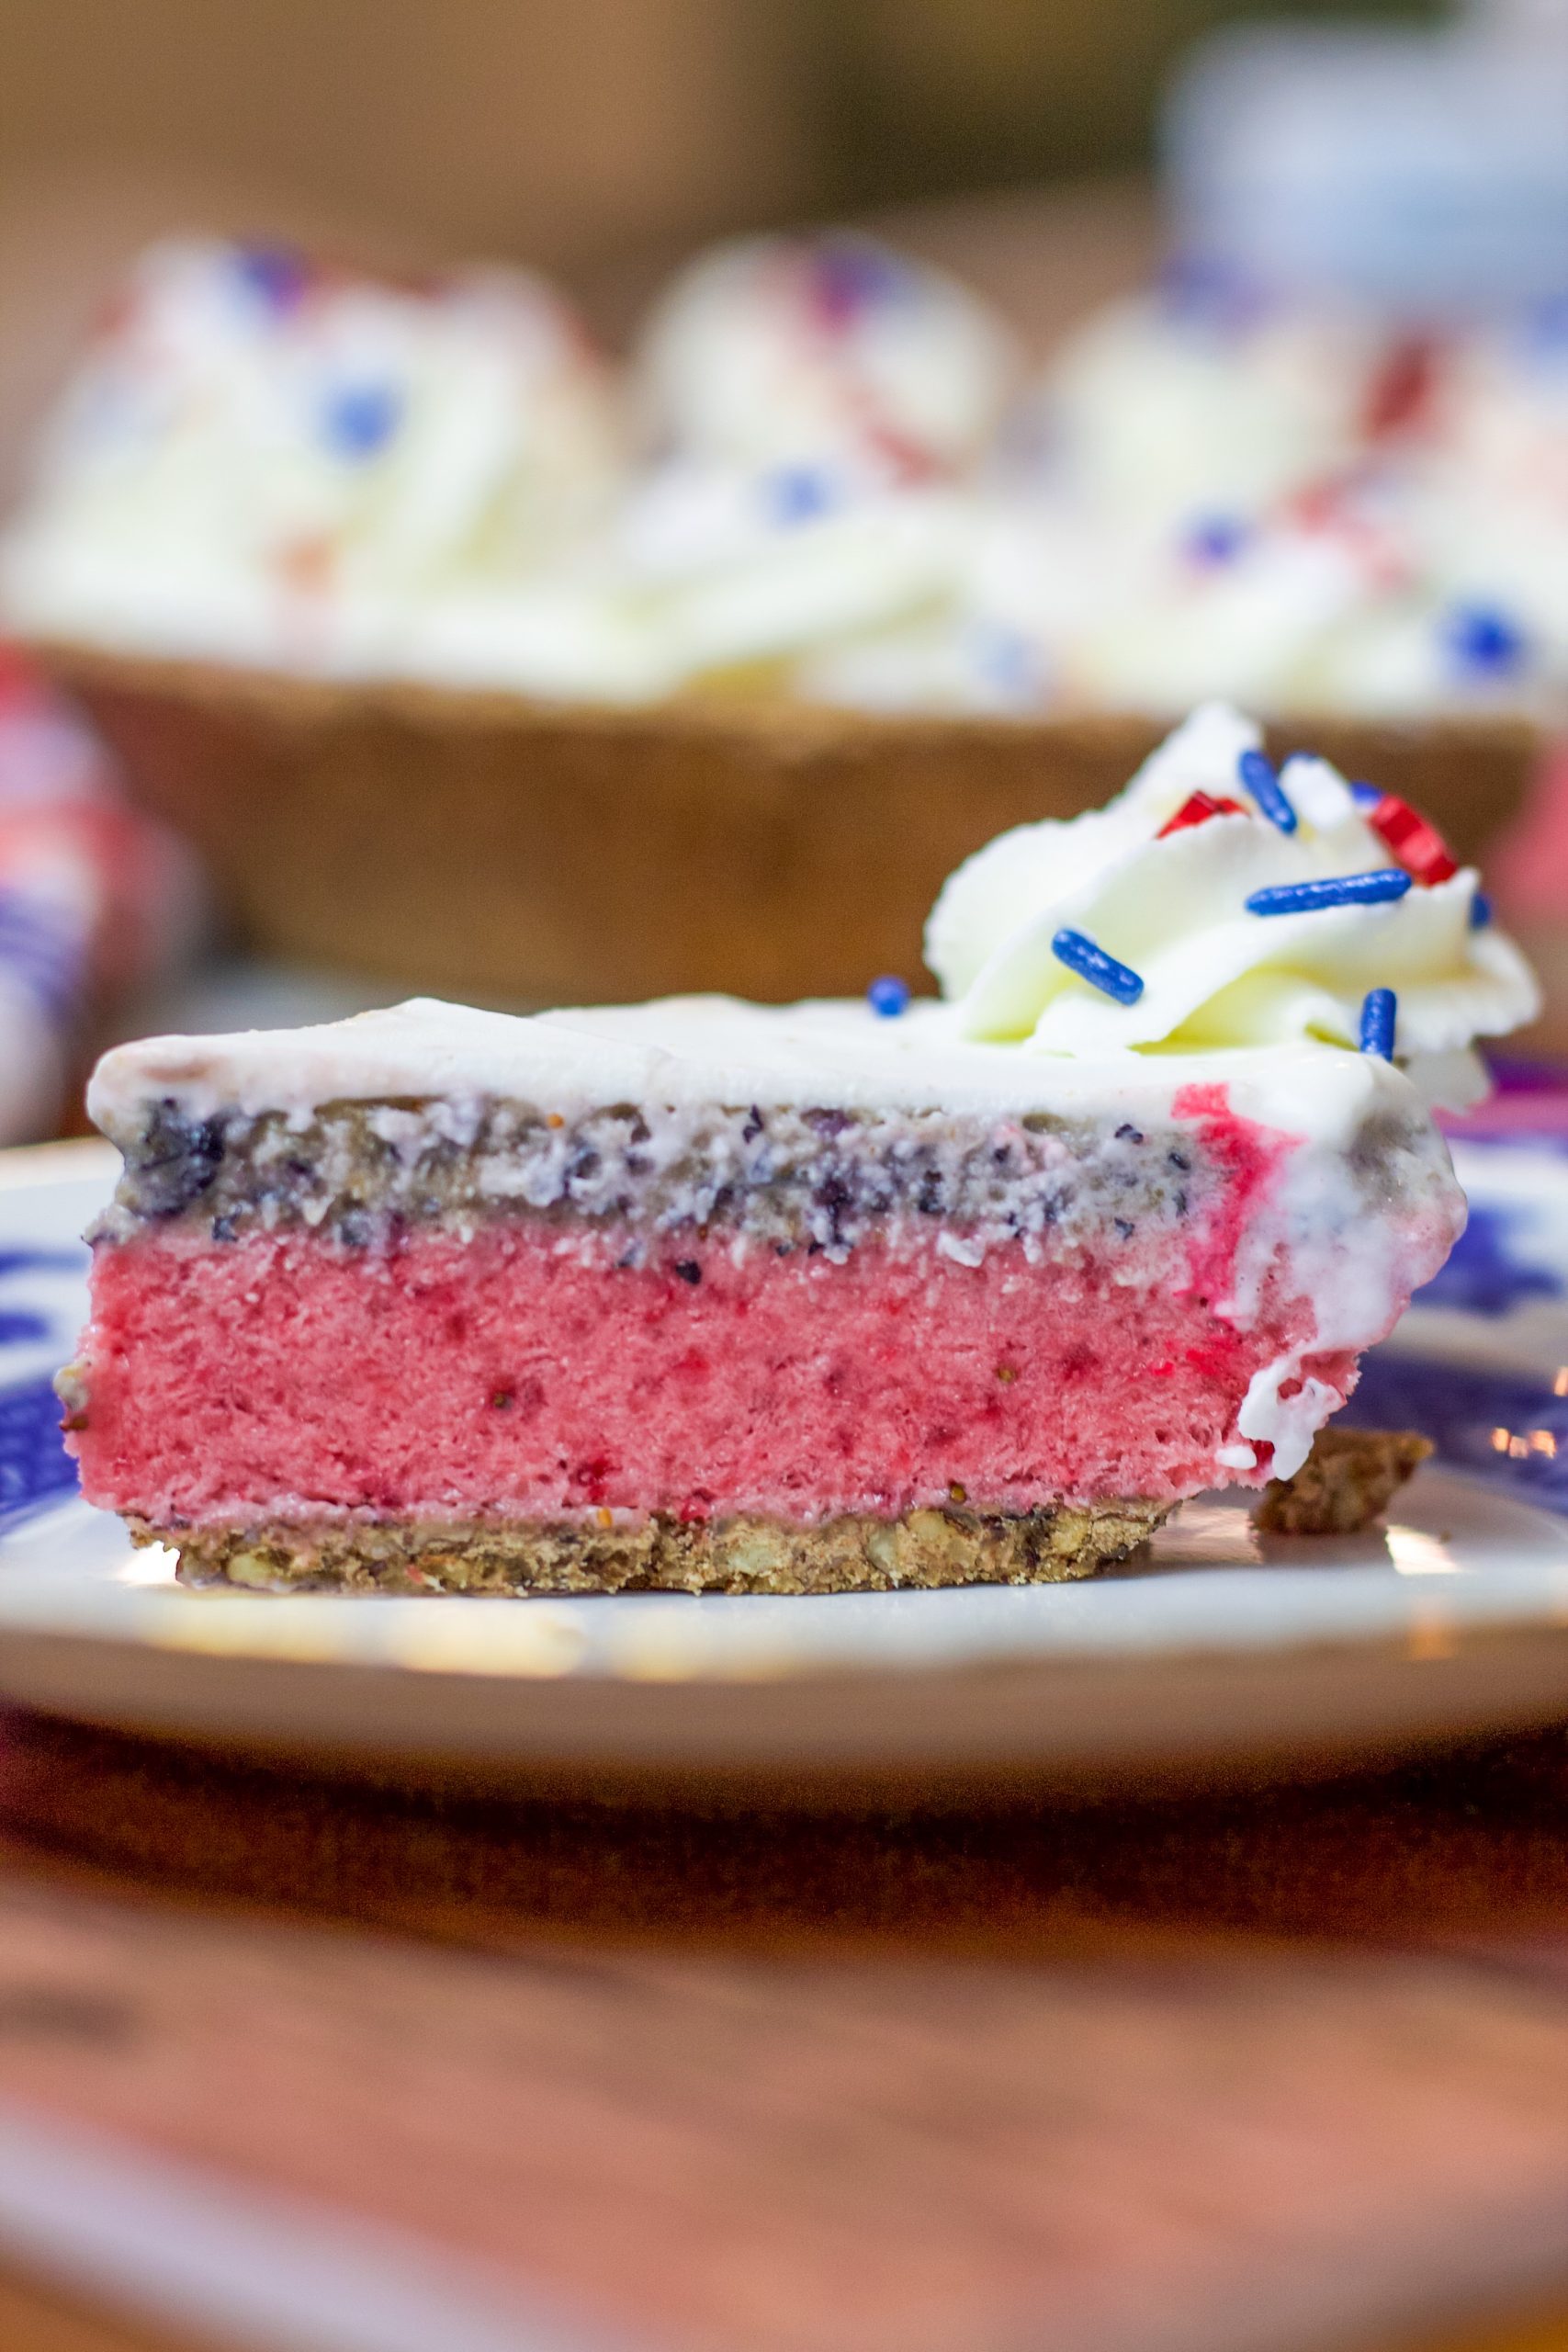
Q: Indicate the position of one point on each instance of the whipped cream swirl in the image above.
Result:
(800, 350)
(1171, 906)
(265, 460)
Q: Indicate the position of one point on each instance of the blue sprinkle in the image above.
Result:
(1387, 882)
(1261, 780)
(799, 494)
(852, 274)
(1379, 1008)
(888, 997)
(1482, 639)
(1480, 911)
(362, 418)
(277, 275)
(1205, 293)
(1365, 796)
(1092, 963)
(1004, 657)
(1546, 330)
(1215, 539)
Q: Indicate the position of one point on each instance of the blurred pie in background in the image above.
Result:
(469, 658)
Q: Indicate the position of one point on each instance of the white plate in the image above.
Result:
(1218, 1649)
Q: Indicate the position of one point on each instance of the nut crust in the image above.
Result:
(1346, 1481)
(854, 1553)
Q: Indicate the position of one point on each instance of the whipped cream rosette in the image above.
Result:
(815, 484)
(1280, 611)
(1199, 400)
(265, 460)
(815, 407)
(733, 567)
(1489, 501)
(1183, 509)
(1215, 903)
(1178, 509)
(1209, 494)
(781, 350)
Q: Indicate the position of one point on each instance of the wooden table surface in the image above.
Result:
(1273, 2069)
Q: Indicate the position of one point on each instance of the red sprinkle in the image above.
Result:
(19, 681)
(1403, 391)
(1419, 846)
(1197, 810)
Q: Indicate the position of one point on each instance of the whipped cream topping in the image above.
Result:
(1166, 408)
(817, 479)
(722, 571)
(1171, 907)
(816, 408)
(1289, 505)
(784, 351)
(265, 461)
(697, 1051)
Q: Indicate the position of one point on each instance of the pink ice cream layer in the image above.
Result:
(523, 1373)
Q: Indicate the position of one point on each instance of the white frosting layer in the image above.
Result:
(1173, 911)
(694, 1050)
